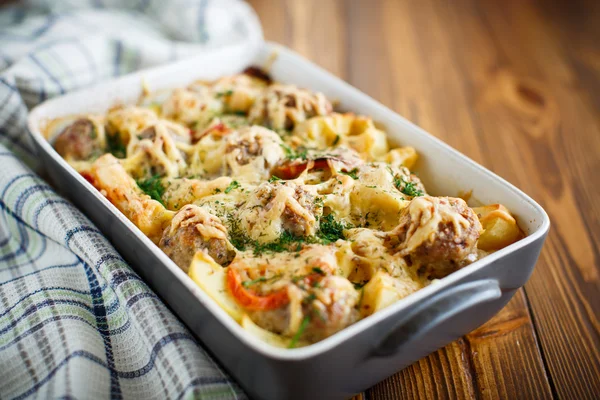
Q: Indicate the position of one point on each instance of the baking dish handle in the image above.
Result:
(429, 314)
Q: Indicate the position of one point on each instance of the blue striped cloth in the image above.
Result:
(75, 321)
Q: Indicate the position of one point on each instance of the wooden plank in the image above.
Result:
(420, 78)
(501, 350)
(445, 374)
(536, 104)
(515, 86)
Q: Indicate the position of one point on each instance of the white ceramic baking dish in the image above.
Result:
(366, 352)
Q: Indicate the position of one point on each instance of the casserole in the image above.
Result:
(367, 351)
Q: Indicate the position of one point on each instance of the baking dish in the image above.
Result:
(366, 352)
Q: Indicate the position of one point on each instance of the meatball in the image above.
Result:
(193, 229)
(331, 309)
(327, 303)
(78, 141)
(438, 235)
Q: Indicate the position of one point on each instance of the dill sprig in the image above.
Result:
(115, 146)
(232, 185)
(352, 174)
(299, 332)
(262, 279)
(330, 230)
(153, 187)
(408, 188)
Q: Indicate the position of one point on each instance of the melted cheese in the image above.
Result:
(309, 237)
(112, 180)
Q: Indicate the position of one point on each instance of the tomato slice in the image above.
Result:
(217, 129)
(252, 301)
(293, 169)
(88, 177)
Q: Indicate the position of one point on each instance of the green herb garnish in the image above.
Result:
(303, 154)
(260, 280)
(232, 185)
(318, 270)
(285, 241)
(359, 285)
(292, 154)
(225, 93)
(330, 230)
(237, 236)
(300, 331)
(408, 188)
(351, 174)
(153, 187)
(310, 298)
(115, 146)
(336, 140)
(274, 179)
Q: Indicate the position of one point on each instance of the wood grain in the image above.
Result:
(515, 85)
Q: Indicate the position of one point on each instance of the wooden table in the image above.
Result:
(515, 85)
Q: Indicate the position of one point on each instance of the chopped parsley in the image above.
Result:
(292, 154)
(408, 188)
(351, 174)
(310, 298)
(236, 236)
(232, 185)
(115, 146)
(153, 187)
(330, 230)
(359, 285)
(274, 179)
(225, 93)
(411, 190)
(299, 332)
(318, 270)
(283, 243)
(217, 190)
(260, 280)
(234, 122)
(336, 140)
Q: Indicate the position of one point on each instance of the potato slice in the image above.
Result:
(211, 277)
(266, 336)
(383, 290)
(500, 227)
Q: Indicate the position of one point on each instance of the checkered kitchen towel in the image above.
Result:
(75, 321)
